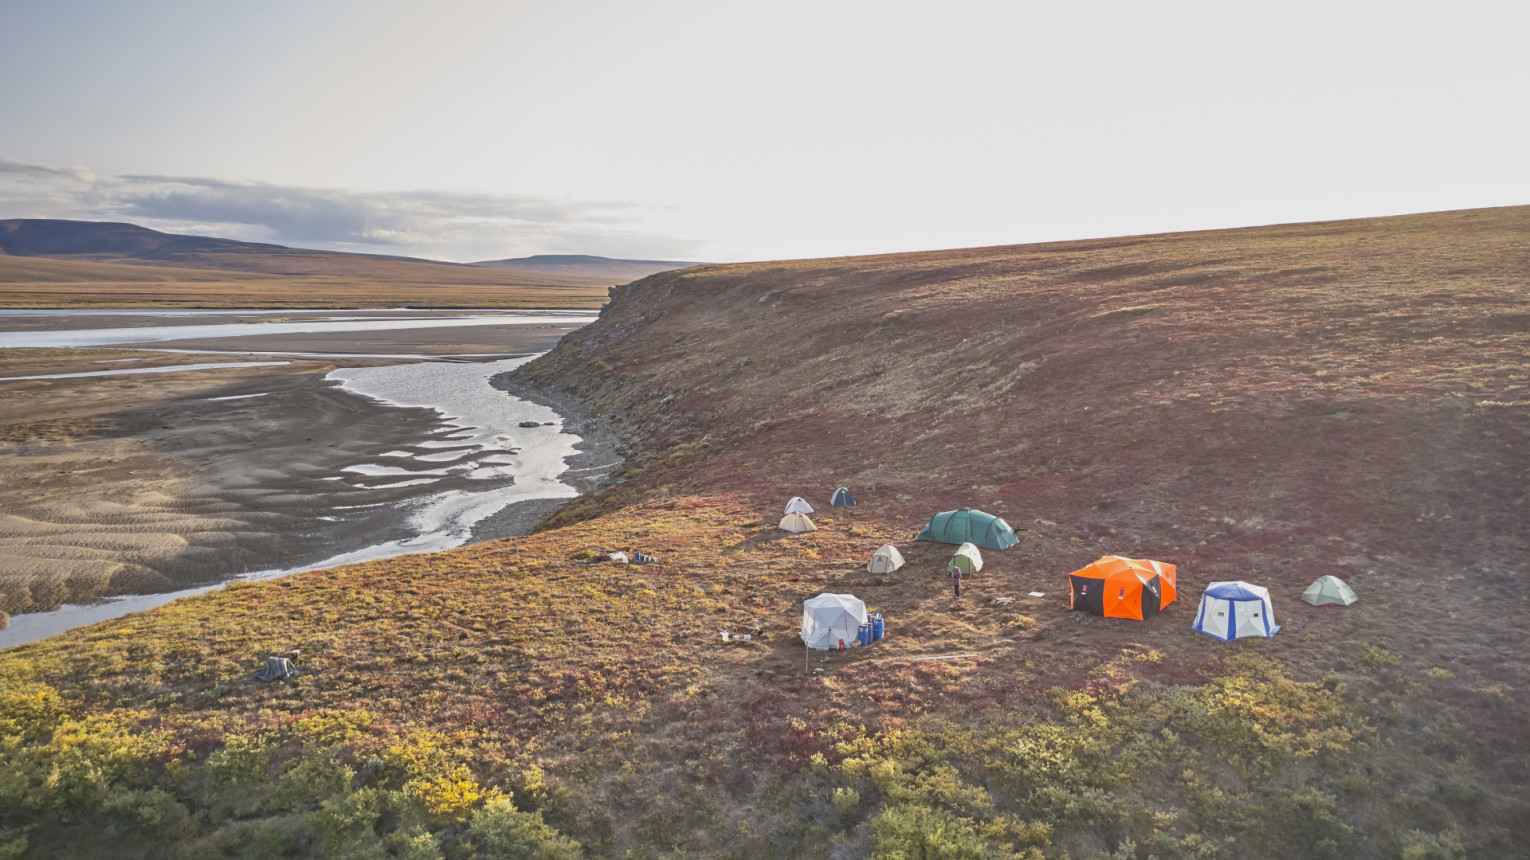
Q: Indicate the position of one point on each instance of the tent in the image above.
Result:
(830, 619)
(841, 498)
(798, 505)
(619, 557)
(1118, 587)
(797, 523)
(969, 526)
(1234, 610)
(967, 559)
(276, 669)
(885, 560)
(1329, 591)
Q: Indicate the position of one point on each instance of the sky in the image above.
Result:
(724, 131)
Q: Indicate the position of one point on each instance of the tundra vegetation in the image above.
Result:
(1268, 404)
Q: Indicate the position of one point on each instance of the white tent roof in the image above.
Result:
(829, 618)
(797, 523)
(886, 559)
(798, 505)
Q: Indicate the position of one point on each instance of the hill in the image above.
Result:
(76, 263)
(584, 265)
(1267, 404)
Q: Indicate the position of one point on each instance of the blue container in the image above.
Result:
(876, 627)
(863, 635)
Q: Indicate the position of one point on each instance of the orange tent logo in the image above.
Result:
(1118, 587)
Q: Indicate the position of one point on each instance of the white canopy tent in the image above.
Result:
(829, 619)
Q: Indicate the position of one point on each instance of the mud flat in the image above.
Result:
(140, 483)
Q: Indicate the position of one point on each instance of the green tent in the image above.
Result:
(967, 560)
(1328, 590)
(969, 526)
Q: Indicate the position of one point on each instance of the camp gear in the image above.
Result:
(886, 559)
(798, 505)
(1329, 591)
(841, 498)
(967, 559)
(1118, 587)
(878, 627)
(969, 526)
(1234, 610)
(276, 669)
(797, 523)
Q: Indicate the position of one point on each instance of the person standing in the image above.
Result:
(956, 579)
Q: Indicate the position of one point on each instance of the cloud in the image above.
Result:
(453, 225)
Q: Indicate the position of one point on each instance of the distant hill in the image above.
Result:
(116, 242)
(51, 263)
(617, 271)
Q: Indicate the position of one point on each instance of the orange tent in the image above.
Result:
(1118, 587)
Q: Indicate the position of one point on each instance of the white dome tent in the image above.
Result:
(830, 619)
(798, 505)
(885, 560)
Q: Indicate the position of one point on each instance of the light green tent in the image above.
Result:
(1329, 590)
(967, 560)
(969, 526)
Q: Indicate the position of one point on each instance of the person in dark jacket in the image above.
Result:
(956, 579)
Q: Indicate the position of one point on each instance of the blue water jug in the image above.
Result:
(876, 627)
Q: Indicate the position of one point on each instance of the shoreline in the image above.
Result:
(597, 458)
(232, 472)
(601, 455)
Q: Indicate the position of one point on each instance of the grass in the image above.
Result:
(33, 282)
(1301, 400)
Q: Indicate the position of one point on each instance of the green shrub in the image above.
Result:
(262, 839)
(151, 813)
(926, 833)
(347, 825)
(502, 832)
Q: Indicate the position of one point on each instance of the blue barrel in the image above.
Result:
(876, 626)
(863, 635)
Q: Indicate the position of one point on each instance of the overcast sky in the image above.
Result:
(714, 130)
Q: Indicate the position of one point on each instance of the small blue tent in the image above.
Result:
(841, 498)
(1234, 610)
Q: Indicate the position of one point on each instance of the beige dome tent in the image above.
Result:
(798, 505)
(885, 560)
(797, 523)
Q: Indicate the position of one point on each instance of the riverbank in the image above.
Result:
(596, 465)
(146, 479)
(158, 482)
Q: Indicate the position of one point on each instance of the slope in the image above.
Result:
(1266, 404)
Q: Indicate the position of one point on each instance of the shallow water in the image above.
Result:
(175, 368)
(513, 463)
(153, 334)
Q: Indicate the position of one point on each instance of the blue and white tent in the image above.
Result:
(1234, 610)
